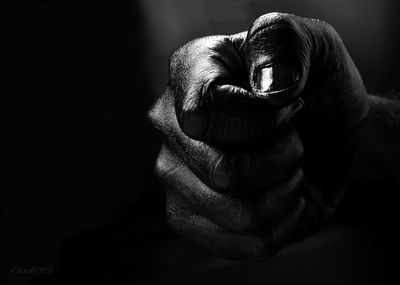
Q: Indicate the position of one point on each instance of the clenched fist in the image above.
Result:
(260, 129)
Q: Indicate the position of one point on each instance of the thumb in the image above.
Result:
(289, 56)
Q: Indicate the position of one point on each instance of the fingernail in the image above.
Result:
(274, 78)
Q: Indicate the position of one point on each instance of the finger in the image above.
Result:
(233, 116)
(280, 47)
(214, 238)
(224, 171)
(277, 54)
(289, 56)
(195, 69)
(212, 97)
(236, 215)
(262, 245)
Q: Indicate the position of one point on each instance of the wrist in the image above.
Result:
(374, 178)
(378, 159)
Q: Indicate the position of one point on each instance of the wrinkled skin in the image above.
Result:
(259, 131)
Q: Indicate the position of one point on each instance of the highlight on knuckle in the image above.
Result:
(165, 169)
(275, 18)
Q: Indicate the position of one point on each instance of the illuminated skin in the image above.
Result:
(260, 129)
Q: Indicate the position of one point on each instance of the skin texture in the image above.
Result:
(259, 129)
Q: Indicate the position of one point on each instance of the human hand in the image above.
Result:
(259, 131)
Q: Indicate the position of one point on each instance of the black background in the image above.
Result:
(77, 78)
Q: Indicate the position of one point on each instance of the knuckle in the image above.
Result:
(328, 31)
(177, 211)
(171, 208)
(324, 25)
(275, 18)
(159, 115)
(153, 115)
(319, 29)
(179, 220)
(175, 218)
(175, 59)
(165, 168)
